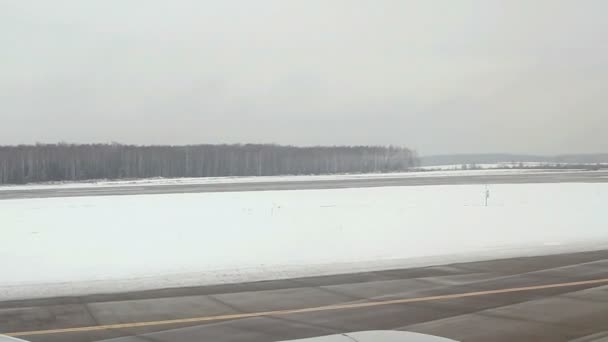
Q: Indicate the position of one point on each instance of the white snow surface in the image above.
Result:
(82, 245)
(505, 166)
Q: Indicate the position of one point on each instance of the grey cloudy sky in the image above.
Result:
(440, 76)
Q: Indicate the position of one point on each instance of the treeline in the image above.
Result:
(72, 162)
(495, 158)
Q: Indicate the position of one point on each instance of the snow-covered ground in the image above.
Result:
(507, 165)
(265, 179)
(67, 246)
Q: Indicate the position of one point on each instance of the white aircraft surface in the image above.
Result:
(376, 336)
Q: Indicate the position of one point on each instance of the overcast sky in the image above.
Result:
(439, 76)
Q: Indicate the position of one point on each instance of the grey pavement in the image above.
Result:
(600, 176)
(565, 313)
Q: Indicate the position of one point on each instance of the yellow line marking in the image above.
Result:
(303, 310)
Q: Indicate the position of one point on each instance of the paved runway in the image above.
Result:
(545, 177)
(547, 298)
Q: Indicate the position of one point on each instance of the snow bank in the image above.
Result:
(64, 246)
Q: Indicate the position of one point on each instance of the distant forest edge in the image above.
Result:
(492, 158)
(73, 162)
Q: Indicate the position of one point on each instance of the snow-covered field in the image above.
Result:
(64, 246)
(507, 165)
(448, 172)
